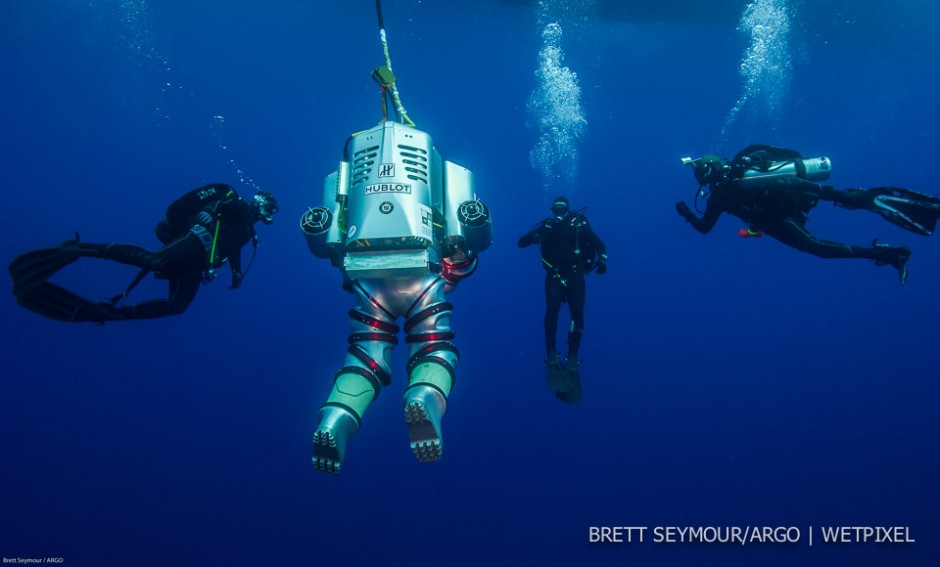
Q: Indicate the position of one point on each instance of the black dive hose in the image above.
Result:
(700, 192)
(378, 12)
(254, 252)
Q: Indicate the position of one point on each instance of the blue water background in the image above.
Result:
(726, 381)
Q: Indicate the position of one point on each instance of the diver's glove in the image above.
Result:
(684, 211)
(602, 265)
(237, 278)
(529, 239)
(204, 219)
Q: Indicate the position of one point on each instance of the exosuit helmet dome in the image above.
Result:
(264, 206)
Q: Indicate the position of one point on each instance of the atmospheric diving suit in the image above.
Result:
(404, 226)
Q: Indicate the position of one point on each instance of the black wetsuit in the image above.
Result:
(779, 208)
(185, 258)
(569, 246)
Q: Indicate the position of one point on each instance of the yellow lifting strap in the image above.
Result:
(386, 74)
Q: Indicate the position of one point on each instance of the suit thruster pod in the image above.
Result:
(404, 226)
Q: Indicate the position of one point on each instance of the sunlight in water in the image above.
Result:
(555, 112)
(765, 67)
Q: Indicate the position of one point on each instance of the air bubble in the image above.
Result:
(556, 113)
(766, 65)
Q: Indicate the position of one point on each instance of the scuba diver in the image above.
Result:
(772, 190)
(569, 248)
(202, 230)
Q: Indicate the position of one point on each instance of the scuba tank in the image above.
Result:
(758, 164)
(810, 169)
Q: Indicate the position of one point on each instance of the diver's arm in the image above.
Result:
(235, 263)
(532, 237)
(238, 232)
(592, 236)
(704, 224)
(599, 246)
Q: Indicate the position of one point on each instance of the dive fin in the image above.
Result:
(573, 395)
(568, 379)
(33, 268)
(557, 378)
(913, 211)
(56, 302)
